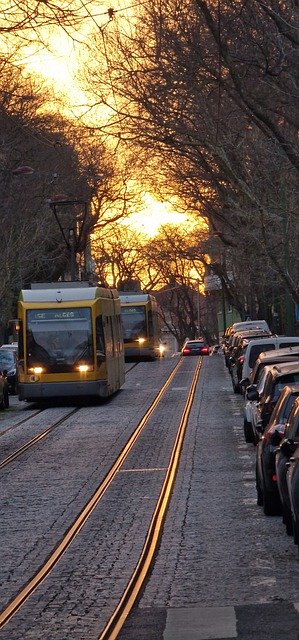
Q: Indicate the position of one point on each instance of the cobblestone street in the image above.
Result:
(223, 569)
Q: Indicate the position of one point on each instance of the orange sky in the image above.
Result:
(59, 66)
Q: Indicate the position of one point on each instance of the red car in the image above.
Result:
(195, 348)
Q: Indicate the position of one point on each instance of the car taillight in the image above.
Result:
(241, 359)
(205, 350)
(187, 351)
(274, 477)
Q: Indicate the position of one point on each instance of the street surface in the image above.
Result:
(223, 569)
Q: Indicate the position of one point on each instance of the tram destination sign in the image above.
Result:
(56, 314)
(125, 310)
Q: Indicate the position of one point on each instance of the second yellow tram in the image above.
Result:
(141, 327)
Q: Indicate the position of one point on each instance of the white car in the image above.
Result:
(259, 345)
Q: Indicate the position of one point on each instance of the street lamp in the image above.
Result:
(73, 238)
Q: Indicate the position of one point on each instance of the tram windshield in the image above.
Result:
(134, 322)
(59, 340)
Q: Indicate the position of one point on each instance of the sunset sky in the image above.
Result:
(60, 66)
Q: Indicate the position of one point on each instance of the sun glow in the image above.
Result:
(59, 63)
(154, 215)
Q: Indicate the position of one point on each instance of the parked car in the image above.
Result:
(238, 356)
(266, 477)
(263, 344)
(284, 454)
(4, 396)
(9, 364)
(10, 345)
(275, 356)
(264, 397)
(250, 324)
(293, 489)
(216, 348)
(195, 348)
(266, 358)
(237, 338)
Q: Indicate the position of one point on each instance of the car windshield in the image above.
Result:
(7, 359)
(261, 379)
(257, 349)
(194, 344)
(290, 378)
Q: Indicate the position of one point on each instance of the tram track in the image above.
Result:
(40, 436)
(116, 620)
(20, 422)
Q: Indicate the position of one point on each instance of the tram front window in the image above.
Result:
(59, 341)
(134, 323)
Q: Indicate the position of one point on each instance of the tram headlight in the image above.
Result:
(83, 368)
(36, 370)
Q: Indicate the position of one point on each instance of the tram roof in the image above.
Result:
(135, 297)
(60, 292)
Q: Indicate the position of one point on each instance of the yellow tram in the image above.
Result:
(141, 327)
(70, 341)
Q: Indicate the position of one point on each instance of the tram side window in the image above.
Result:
(152, 324)
(113, 334)
(120, 339)
(100, 341)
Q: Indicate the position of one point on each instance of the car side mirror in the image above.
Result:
(259, 427)
(252, 393)
(287, 447)
(276, 437)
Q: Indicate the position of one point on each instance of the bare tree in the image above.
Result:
(212, 97)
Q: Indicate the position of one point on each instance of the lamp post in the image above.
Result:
(75, 233)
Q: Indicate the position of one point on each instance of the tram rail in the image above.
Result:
(37, 438)
(20, 422)
(30, 443)
(134, 585)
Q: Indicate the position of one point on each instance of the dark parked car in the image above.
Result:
(264, 401)
(266, 477)
(4, 397)
(293, 488)
(266, 358)
(8, 363)
(195, 348)
(284, 454)
(238, 356)
(236, 340)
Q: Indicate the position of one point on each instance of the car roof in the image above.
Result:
(283, 351)
(284, 367)
(11, 345)
(248, 324)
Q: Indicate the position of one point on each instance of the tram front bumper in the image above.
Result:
(43, 390)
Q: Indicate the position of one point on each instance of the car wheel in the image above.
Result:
(259, 496)
(271, 503)
(259, 493)
(6, 400)
(248, 431)
(288, 520)
(296, 532)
